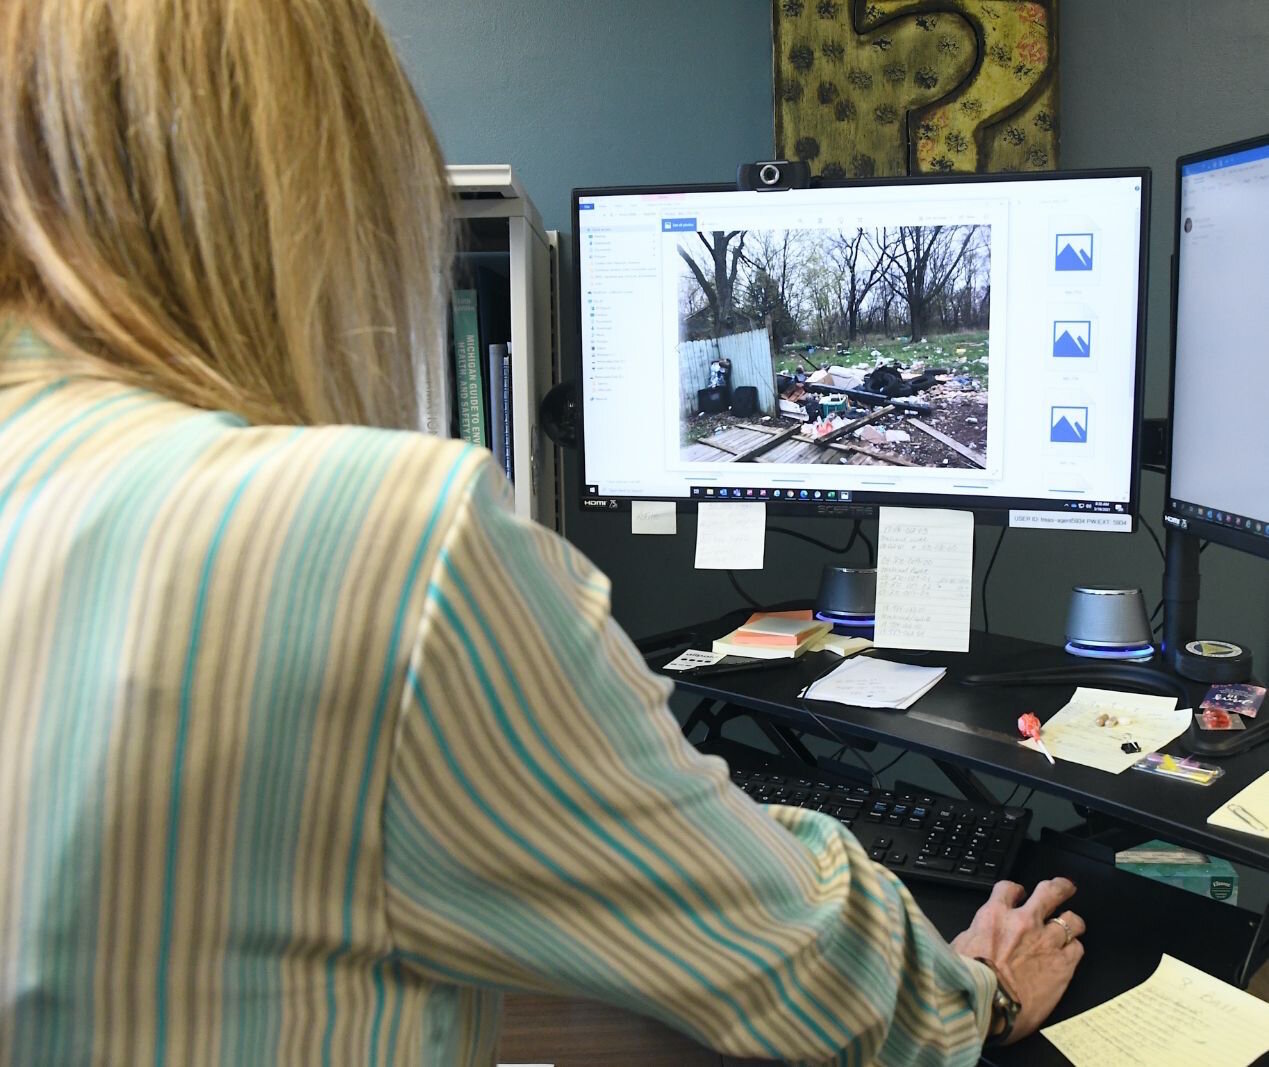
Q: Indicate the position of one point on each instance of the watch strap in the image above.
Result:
(1004, 1008)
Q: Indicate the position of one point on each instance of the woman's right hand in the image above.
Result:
(1033, 947)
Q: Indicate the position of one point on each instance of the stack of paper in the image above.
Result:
(773, 635)
(867, 682)
(1178, 1017)
(1096, 724)
(1248, 811)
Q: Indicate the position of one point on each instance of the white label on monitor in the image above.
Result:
(1076, 520)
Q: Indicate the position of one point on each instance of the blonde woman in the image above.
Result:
(307, 746)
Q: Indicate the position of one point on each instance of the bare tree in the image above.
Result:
(717, 277)
(920, 263)
(772, 283)
(861, 259)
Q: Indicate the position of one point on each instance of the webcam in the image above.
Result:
(771, 174)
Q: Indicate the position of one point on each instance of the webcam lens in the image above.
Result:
(769, 174)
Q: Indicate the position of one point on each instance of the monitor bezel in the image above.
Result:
(1217, 533)
(991, 510)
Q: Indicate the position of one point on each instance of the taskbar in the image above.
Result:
(1180, 514)
(593, 498)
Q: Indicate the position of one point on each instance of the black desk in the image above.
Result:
(966, 729)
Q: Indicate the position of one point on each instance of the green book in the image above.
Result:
(467, 369)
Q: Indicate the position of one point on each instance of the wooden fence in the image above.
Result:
(751, 364)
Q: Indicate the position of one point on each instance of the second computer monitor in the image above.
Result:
(971, 342)
(1218, 484)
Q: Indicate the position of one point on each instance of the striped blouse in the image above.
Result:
(309, 749)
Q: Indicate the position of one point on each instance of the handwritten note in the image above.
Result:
(731, 537)
(652, 517)
(1178, 1017)
(925, 571)
(867, 682)
(1073, 734)
(1248, 811)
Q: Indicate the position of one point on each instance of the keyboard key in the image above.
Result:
(918, 834)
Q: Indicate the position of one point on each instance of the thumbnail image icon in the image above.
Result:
(1072, 338)
(1074, 251)
(1068, 425)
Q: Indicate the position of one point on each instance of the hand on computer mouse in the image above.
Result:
(1033, 946)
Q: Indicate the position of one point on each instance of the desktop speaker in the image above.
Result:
(847, 596)
(1105, 623)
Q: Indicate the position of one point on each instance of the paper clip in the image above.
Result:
(1247, 817)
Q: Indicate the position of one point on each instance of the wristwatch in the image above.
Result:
(1004, 1009)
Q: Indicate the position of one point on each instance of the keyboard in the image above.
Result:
(918, 834)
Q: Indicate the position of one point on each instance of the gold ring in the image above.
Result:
(1065, 929)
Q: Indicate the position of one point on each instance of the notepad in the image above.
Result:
(1179, 1017)
(795, 635)
(868, 682)
(778, 628)
(925, 570)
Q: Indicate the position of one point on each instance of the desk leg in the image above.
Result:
(787, 742)
(714, 715)
(1257, 952)
(967, 782)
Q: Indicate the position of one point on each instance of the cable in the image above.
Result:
(838, 738)
(1153, 536)
(987, 574)
(872, 555)
(1027, 799)
(816, 542)
(876, 782)
(731, 575)
(882, 770)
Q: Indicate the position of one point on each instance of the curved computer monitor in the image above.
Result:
(970, 341)
(1218, 480)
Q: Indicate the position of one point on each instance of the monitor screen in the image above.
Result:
(968, 341)
(1218, 475)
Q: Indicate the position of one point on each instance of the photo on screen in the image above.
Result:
(867, 346)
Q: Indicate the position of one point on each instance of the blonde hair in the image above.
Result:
(237, 203)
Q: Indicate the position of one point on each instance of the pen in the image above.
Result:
(1247, 817)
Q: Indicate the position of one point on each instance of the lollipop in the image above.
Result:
(1029, 726)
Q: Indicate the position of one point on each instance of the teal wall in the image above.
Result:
(575, 93)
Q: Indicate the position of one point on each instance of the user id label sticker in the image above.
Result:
(693, 658)
(1075, 520)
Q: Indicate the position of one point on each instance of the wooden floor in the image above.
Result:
(578, 1033)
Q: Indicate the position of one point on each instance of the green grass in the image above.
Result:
(891, 350)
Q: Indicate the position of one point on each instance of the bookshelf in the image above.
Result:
(506, 254)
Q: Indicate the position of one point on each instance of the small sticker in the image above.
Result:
(692, 658)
